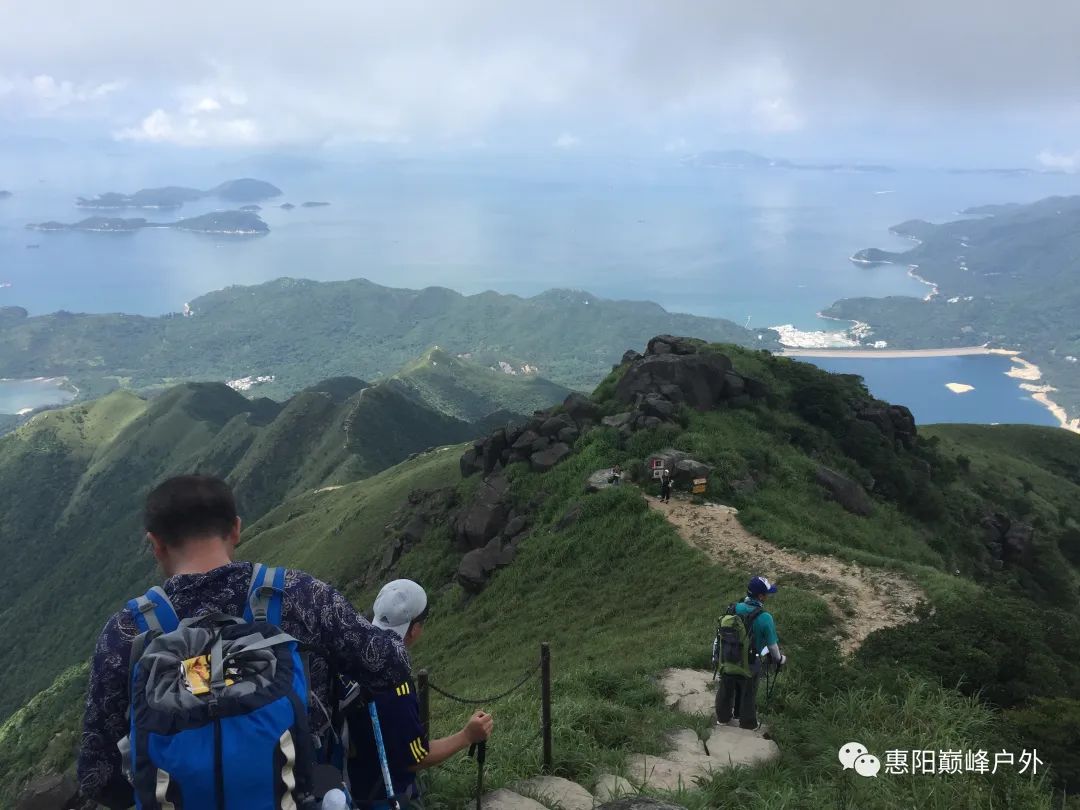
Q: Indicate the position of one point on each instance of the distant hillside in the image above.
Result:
(244, 190)
(983, 519)
(243, 223)
(473, 392)
(302, 331)
(1007, 279)
(71, 481)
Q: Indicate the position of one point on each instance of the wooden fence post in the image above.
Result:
(545, 702)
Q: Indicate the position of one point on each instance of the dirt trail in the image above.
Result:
(874, 598)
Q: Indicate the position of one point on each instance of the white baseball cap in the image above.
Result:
(398, 605)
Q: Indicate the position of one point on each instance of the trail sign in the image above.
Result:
(700, 485)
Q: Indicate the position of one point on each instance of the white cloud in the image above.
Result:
(1062, 162)
(45, 94)
(207, 105)
(776, 115)
(191, 130)
(566, 141)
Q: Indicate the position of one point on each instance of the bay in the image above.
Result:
(19, 395)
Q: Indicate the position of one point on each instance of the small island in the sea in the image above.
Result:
(4, 194)
(245, 190)
(871, 257)
(288, 206)
(311, 204)
(231, 223)
(252, 207)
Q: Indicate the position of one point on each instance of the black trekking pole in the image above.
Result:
(479, 750)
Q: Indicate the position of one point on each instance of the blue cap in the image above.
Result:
(760, 585)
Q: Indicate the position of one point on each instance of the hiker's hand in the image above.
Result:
(783, 660)
(479, 727)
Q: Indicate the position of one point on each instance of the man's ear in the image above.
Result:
(233, 537)
(158, 547)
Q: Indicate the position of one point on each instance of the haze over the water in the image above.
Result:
(523, 146)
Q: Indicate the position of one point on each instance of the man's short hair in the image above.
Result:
(189, 507)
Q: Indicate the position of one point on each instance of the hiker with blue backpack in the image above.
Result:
(402, 608)
(746, 645)
(209, 691)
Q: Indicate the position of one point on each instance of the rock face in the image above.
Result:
(489, 529)
(849, 494)
(894, 421)
(422, 510)
(1007, 540)
(48, 792)
(640, 803)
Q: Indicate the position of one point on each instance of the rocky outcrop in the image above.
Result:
(640, 803)
(895, 422)
(849, 494)
(49, 792)
(489, 529)
(1007, 540)
(422, 510)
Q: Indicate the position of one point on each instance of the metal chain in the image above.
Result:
(478, 701)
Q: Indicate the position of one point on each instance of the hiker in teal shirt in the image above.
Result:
(736, 697)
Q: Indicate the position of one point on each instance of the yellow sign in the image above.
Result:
(700, 485)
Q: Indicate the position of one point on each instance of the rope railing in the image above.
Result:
(425, 686)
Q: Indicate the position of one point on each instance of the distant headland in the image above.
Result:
(229, 223)
(244, 190)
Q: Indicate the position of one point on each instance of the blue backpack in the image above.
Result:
(219, 707)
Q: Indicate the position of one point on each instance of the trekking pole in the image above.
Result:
(479, 750)
(381, 747)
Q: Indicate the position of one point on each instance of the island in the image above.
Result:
(244, 190)
(288, 206)
(4, 194)
(229, 223)
(1005, 280)
(310, 204)
(251, 207)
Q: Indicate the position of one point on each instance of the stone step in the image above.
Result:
(609, 787)
(736, 746)
(689, 690)
(557, 793)
(659, 773)
(503, 799)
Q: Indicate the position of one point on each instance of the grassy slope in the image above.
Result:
(621, 597)
(328, 329)
(471, 392)
(72, 482)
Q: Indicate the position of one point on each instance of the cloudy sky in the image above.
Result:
(959, 81)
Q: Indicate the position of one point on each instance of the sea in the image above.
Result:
(761, 247)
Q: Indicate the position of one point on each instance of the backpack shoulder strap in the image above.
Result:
(265, 594)
(154, 611)
(749, 620)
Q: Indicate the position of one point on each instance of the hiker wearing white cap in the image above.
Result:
(402, 607)
(746, 641)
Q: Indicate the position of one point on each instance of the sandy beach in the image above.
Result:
(892, 354)
(1022, 369)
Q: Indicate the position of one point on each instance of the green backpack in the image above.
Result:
(737, 652)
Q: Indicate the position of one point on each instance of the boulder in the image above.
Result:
(657, 405)
(1006, 539)
(568, 435)
(734, 385)
(538, 446)
(687, 469)
(552, 426)
(581, 408)
(601, 479)
(618, 420)
(849, 494)
(525, 440)
(755, 389)
(48, 792)
(667, 344)
(700, 378)
(493, 450)
(471, 462)
(486, 516)
(516, 526)
(546, 459)
(629, 356)
(414, 530)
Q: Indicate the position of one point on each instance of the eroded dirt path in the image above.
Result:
(863, 599)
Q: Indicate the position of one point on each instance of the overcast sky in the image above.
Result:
(985, 81)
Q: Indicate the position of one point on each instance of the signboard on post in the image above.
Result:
(658, 474)
(700, 485)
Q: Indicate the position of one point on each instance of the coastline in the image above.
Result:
(1022, 370)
